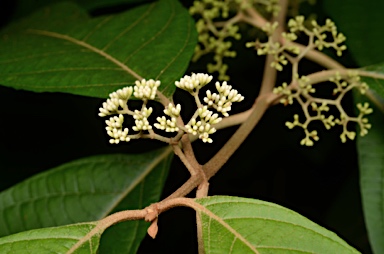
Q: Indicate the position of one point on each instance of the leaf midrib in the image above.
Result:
(240, 237)
(212, 215)
(69, 69)
(139, 179)
(87, 46)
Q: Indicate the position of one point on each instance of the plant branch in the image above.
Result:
(216, 162)
(254, 18)
(324, 76)
(163, 100)
(317, 56)
(187, 187)
(262, 103)
(257, 20)
(202, 190)
(151, 212)
(188, 151)
(233, 120)
(192, 170)
(106, 223)
(270, 73)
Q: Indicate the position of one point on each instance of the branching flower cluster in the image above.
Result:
(283, 52)
(301, 88)
(201, 123)
(317, 109)
(215, 35)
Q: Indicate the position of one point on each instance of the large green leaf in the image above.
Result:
(241, 225)
(371, 163)
(362, 23)
(87, 190)
(24, 7)
(52, 240)
(61, 49)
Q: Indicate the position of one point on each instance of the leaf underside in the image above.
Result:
(88, 189)
(241, 225)
(62, 49)
(371, 164)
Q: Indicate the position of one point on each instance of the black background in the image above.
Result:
(39, 131)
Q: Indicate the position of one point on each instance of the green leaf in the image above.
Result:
(61, 49)
(88, 189)
(361, 22)
(51, 240)
(374, 77)
(241, 225)
(25, 7)
(371, 156)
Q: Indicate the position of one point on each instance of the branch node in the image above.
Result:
(152, 213)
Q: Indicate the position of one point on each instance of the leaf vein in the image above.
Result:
(212, 215)
(75, 86)
(129, 27)
(62, 69)
(103, 22)
(284, 222)
(233, 244)
(152, 38)
(179, 52)
(88, 46)
(137, 181)
(40, 56)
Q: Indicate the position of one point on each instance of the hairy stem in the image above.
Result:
(269, 76)
(187, 162)
(188, 151)
(262, 103)
(221, 157)
(106, 223)
(187, 187)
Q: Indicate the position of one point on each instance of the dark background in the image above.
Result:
(39, 131)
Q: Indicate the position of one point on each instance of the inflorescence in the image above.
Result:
(215, 35)
(319, 37)
(301, 88)
(317, 109)
(201, 123)
(213, 38)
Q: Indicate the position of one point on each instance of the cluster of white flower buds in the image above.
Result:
(115, 129)
(222, 101)
(141, 119)
(166, 124)
(146, 90)
(201, 124)
(116, 99)
(117, 104)
(194, 82)
(203, 127)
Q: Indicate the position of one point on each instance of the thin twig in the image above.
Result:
(192, 170)
(187, 187)
(262, 102)
(222, 156)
